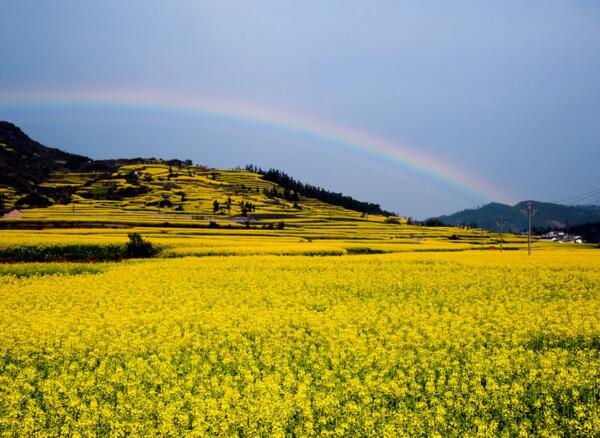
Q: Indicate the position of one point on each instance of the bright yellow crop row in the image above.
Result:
(463, 344)
(178, 242)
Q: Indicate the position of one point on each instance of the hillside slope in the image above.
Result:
(25, 162)
(35, 176)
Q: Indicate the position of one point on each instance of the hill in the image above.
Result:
(548, 215)
(36, 176)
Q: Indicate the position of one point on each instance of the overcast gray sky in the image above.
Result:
(509, 91)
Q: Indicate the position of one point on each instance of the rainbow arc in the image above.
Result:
(408, 158)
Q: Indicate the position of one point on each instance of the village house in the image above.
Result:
(561, 237)
(10, 213)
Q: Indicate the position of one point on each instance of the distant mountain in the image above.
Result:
(547, 215)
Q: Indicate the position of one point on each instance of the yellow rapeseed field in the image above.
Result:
(407, 344)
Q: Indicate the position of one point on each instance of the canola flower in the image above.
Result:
(181, 242)
(415, 344)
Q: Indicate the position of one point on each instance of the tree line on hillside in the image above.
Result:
(307, 190)
(590, 231)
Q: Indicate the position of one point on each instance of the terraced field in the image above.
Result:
(176, 210)
(184, 193)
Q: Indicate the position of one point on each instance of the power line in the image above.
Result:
(593, 195)
(579, 197)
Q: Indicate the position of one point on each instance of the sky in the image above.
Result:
(425, 107)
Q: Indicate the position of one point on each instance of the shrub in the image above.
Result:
(364, 250)
(138, 247)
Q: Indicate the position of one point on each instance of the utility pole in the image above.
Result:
(482, 237)
(529, 212)
(501, 224)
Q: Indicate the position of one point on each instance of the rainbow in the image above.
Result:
(408, 158)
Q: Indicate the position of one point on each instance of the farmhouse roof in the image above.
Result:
(8, 210)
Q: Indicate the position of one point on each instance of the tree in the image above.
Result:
(33, 200)
(433, 222)
(165, 201)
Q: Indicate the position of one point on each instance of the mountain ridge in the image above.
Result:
(547, 215)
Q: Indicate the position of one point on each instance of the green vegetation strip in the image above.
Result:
(42, 253)
(21, 270)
